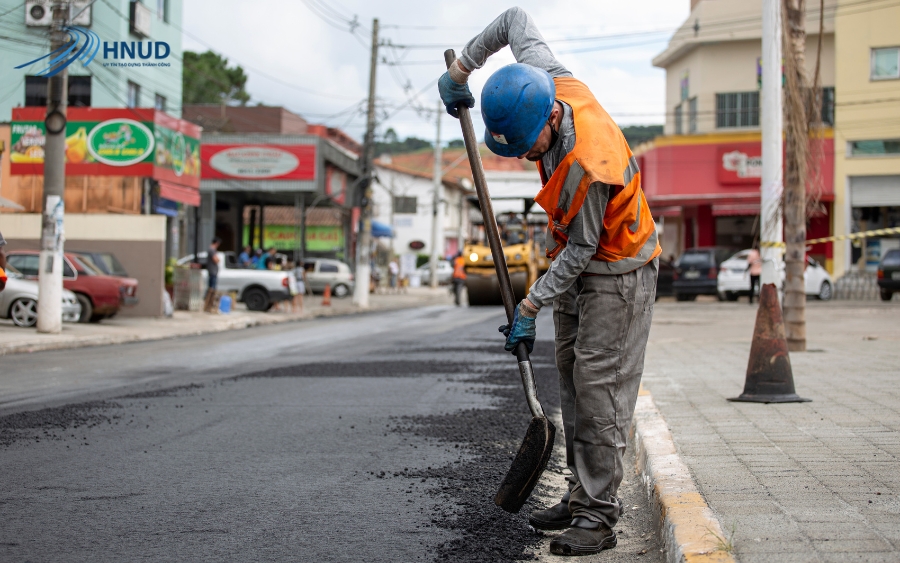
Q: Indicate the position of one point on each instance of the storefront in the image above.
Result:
(704, 190)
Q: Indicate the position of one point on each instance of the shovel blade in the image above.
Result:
(528, 466)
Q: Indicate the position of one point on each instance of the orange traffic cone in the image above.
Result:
(326, 296)
(769, 376)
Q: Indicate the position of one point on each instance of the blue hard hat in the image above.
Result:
(515, 104)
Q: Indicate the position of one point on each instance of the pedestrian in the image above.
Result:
(245, 257)
(212, 270)
(269, 260)
(300, 285)
(603, 245)
(754, 266)
(394, 272)
(2, 263)
(459, 277)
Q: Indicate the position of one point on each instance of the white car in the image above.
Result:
(18, 301)
(444, 272)
(734, 278)
(257, 289)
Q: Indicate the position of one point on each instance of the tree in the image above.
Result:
(637, 134)
(456, 144)
(207, 79)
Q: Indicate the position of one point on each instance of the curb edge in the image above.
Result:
(687, 525)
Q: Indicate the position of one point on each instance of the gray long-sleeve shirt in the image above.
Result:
(515, 28)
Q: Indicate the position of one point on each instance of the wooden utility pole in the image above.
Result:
(364, 241)
(50, 269)
(797, 96)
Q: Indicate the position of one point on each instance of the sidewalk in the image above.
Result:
(799, 482)
(131, 329)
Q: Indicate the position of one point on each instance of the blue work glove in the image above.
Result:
(454, 93)
(522, 330)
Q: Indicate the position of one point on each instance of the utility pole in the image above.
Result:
(772, 123)
(437, 239)
(50, 269)
(796, 156)
(364, 241)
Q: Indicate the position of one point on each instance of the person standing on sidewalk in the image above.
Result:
(212, 270)
(394, 272)
(459, 277)
(603, 245)
(2, 263)
(754, 266)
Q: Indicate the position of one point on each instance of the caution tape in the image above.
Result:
(851, 236)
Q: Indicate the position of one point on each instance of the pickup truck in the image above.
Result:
(257, 289)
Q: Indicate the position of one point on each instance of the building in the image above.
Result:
(702, 177)
(271, 179)
(132, 35)
(867, 131)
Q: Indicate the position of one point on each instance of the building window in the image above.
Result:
(79, 91)
(162, 10)
(159, 103)
(875, 147)
(828, 105)
(886, 63)
(692, 115)
(738, 109)
(678, 127)
(134, 95)
(405, 204)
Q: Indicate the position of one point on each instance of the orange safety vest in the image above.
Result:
(629, 238)
(459, 268)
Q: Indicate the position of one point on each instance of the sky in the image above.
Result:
(301, 54)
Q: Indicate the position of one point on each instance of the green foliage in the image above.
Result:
(207, 79)
(391, 144)
(422, 259)
(170, 271)
(637, 134)
(456, 144)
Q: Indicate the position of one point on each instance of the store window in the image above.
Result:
(679, 129)
(134, 95)
(159, 103)
(886, 63)
(79, 88)
(405, 204)
(876, 147)
(828, 105)
(692, 115)
(737, 109)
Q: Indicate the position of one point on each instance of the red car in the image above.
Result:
(100, 295)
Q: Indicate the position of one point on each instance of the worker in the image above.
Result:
(459, 276)
(603, 245)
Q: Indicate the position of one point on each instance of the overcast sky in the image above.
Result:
(301, 54)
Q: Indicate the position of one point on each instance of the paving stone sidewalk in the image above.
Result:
(816, 481)
(131, 329)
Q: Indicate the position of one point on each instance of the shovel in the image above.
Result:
(535, 451)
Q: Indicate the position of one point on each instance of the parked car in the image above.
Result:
(18, 301)
(889, 274)
(734, 279)
(664, 278)
(106, 262)
(696, 272)
(100, 296)
(325, 271)
(444, 272)
(257, 289)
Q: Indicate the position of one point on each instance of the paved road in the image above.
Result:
(373, 437)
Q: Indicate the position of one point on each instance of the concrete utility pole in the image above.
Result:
(772, 123)
(50, 269)
(364, 241)
(798, 118)
(437, 227)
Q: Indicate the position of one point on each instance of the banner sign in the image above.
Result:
(319, 238)
(259, 162)
(111, 142)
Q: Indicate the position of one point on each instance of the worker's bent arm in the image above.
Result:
(584, 237)
(515, 28)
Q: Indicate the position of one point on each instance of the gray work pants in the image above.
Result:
(602, 324)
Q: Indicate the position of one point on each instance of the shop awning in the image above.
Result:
(181, 194)
(380, 230)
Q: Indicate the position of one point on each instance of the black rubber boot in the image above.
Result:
(557, 517)
(583, 538)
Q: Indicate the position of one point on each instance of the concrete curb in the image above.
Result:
(686, 524)
(236, 324)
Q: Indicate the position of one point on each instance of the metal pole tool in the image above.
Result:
(535, 451)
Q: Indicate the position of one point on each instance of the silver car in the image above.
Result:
(320, 272)
(18, 301)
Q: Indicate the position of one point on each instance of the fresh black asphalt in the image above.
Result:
(367, 438)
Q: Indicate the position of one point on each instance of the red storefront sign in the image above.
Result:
(259, 162)
(740, 164)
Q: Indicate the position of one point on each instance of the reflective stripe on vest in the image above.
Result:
(628, 238)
